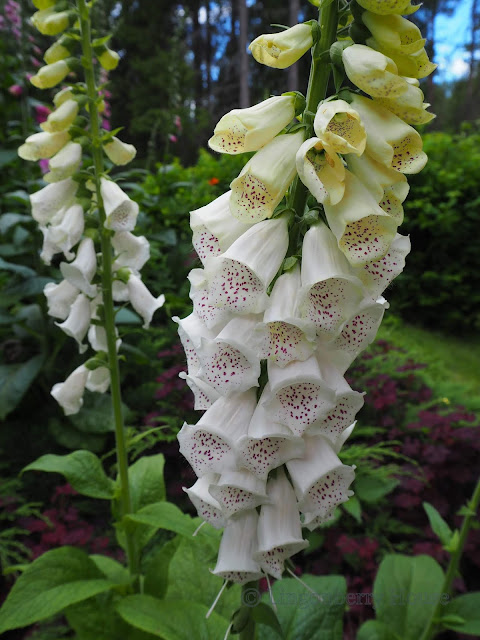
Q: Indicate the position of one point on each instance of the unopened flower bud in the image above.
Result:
(50, 75)
(108, 59)
(119, 152)
(50, 22)
(43, 145)
(281, 50)
(62, 117)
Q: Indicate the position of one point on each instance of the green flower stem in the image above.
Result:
(472, 506)
(109, 313)
(317, 88)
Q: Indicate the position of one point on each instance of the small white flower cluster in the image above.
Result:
(77, 300)
(267, 462)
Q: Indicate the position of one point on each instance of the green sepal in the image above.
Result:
(99, 360)
(123, 274)
(99, 42)
(336, 51)
(311, 217)
(316, 32)
(300, 102)
(290, 262)
(359, 33)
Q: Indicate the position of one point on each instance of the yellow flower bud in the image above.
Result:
(62, 117)
(50, 22)
(281, 50)
(62, 96)
(119, 152)
(50, 75)
(55, 53)
(109, 59)
(43, 145)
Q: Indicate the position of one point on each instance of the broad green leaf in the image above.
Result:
(51, 583)
(8, 220)
(375, 630)
(82, 469)
(96, 415)
(127, 316)
(263, 614)
(111, 569)
(71, 438)
(164, 515)
(172, 620)
(21, 269)
(371, 488)
(354, 508)
(157, 567)
(467, 607)
(31, 287)
(406, 592)
(439, 527)
(146, 481)
(15, 379)
(302, 616)
(20, 195)
(7, 156)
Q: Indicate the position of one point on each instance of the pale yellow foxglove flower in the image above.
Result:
(265, 178)
(62, 117)
(50, 75)
(321, 170)
(377, 177)
(43, 145)
(62, 96)
(109, 59)
(64, 163)
(243, 130)
(409, 106)
(281, 50)
(340, 127)
(386, 7)
(373, 72)
(50, 22)
(43, 4)
(390, 141)
(120, 153)
(56, 52)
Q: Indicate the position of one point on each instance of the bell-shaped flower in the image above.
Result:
(409, 106)
(43, 145)
(98, 380)
(363, 230)
(263, 181)
(130, 251)
(50, 75)
(279, 530)
(347, 403)
(108, 59)
(118, 152)
(43, 4)
(298, 395)
(64, 163)
(238, 279)
(373, 72)
(62, 117)
(329, 291)
(237, 491)
(144, 303)
(321, 170)
(356, 335)
(389, 140)
(267, 444)
(64, 236)
(340, 128)
(235, 556)
(51, 22)
(242, 130)
(214, 228)
(386, 7)
(377, 275)
(378, 177)
(60, 298)
(97, 336)
(207, 507)
(213, 317)
(204, 395)
(320, 481)
(231, 362)
(287, 337)
(191, 331)
(69, 394)
(281, 50)
(78, 321)
(392, 205)
(49, 201)
(81, 271)
(209, 445)
(67, 93)
(121, 212)
(57, 51)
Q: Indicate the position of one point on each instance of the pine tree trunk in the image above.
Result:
(242, 54)
(293, 10)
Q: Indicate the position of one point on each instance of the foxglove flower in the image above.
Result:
(118, 152)
(281, 50)
(243, 130)
(321, 170)
(207, 507)
(78, 321)
(237, 491)
(81, 271)
(121, 212)
(409, 106)
(69, 394)
(51, 22)
(62, 117)
(373, 72)
(144, 303)
(386, 7)
(98, 380)
(130, 251)
(213, 317)
(377, 177)
(263, 181)
(60, 298)
(191, 331)
(279, 530)
(49, 201)
(63, 236)
(64, 163)
(43, 145)
(50, 75)
(204, 394)
(340, 128)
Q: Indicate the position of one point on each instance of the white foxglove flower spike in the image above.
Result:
(340, 128)
(130, 251)
(47, 202)
(60, 298)
(238, 279)
(64, 163)
(279, 530)
(142, 300)
(69, 394)
(78, 321)
(207, 507)
(120, 210)
(298, 395)
(81, 271)
(242, 130)
(237, 491)
(213, 317)
(191, 330)
(287, 336)
(43, 145)
(239, 542)
(209, 445)
(214, 228)
(321, 170)
(263, 181)
(329, 291)
(320, 481)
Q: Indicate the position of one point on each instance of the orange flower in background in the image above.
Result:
(213, 181)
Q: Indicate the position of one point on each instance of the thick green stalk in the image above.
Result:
(109, 312)
(433, 627)
(317, 88)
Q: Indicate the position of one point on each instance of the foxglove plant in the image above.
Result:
(300, 286)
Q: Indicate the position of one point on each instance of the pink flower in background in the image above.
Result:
(172, 138)
(35, 63)
(41, 113)
(2, 23)
(43, 165)
(178, 122)
(16, 90)
(106, 124)
(29, 75)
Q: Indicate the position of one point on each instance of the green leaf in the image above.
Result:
(8, 220)
(375, 630)
(30, 287)
(157, 566)
(406, 592)
(147, 485)
(127, 316)
(7, 156)
(20, 195)
(96, 415)
(15, 379)
(439, 527)
(372, 488)
(111, 569)
(71, 438)
(302, 616)
(263, 614)
(466, 607)
(172, 620)
(354, 508)
(51, 583)
(164, 515)
(82, 469)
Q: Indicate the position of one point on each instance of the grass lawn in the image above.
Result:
(453, 361)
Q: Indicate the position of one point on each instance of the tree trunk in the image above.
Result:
(242, 54)
(197, 53)
(208, 53)
(475, 23)
(293, 10)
